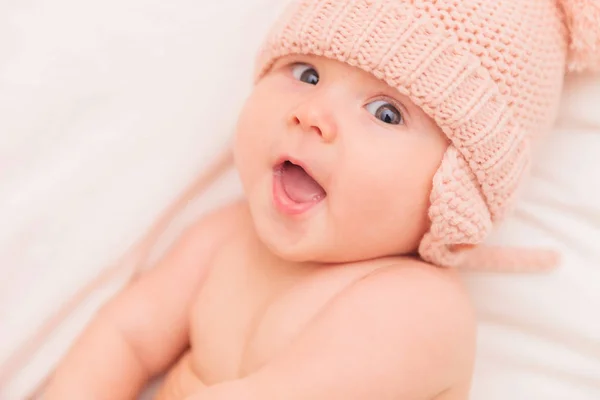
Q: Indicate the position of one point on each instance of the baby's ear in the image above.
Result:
(583, 20)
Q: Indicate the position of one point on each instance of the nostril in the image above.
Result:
(305, 125)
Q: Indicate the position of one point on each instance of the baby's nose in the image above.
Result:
(311, 116)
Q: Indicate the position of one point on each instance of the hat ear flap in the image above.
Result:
(458, 213)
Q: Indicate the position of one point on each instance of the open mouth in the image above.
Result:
(294, 189)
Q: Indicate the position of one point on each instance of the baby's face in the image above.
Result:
(337, 166)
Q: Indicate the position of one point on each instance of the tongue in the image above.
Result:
(299, 186)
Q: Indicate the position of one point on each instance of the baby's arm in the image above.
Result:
(404, 332)
(140, 332)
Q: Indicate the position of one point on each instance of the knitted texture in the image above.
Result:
(488, 72)
(583, 20)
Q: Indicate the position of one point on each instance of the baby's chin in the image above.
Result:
(313, 240)
(302, 251)
(313, 246)
(298, 252)
(320, 253)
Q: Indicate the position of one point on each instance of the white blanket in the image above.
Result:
(109, 109)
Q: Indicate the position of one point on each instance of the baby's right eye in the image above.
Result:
(305, 73)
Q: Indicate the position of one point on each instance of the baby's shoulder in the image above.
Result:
(426, 310)
(412, 274)
(413, 286)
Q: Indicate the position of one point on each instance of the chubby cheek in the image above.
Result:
(386, 203)
(251, 145)
(243, 148)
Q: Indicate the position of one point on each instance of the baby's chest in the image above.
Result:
(237, 328)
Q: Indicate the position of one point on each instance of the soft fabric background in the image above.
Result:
(108, 109)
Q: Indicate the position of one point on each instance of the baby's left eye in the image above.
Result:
(385, 112)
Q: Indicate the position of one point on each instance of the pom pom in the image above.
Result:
(583, 21)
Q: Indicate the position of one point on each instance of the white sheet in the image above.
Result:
(108, 109)
(540, 335)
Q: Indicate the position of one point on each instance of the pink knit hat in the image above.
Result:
(489, 73)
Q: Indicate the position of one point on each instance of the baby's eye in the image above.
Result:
(385, 111)
(305, 73)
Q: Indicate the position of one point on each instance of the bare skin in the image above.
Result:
(278, 329)
(255, 302)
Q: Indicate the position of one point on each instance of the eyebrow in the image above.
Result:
(283, 60)
(294, 58)
(278, 62)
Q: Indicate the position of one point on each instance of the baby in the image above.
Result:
(382, 142)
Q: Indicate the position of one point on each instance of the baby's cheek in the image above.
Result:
(247, 154)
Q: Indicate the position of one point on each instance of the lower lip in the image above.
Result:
(284, 203)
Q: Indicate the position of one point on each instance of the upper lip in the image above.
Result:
(299, 163)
